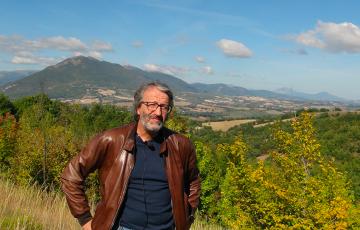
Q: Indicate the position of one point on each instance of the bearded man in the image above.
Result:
(148, 175)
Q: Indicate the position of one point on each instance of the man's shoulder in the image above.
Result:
(124, 130)
(168, 133)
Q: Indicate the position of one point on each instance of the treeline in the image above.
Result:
(292, 184)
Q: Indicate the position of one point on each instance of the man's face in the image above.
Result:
(152, 120)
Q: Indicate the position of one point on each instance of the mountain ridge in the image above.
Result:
(315, 96)
(10, 76)
(75, 77)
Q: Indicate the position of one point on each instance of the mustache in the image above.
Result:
(152, 116)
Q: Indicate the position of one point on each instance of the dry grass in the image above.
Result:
(225, 125)
(201, 225)
(32, 208)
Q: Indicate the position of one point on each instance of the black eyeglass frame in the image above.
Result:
(155, 105)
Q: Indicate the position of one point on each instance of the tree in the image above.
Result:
(6, 106)
(8, 132)
(211, 177)
(296, 188)
(237, 194)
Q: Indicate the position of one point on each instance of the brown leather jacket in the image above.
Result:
(111, 152)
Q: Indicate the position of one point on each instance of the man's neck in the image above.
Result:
(145, 135)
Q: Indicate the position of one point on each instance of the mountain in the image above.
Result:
(86, 77)
(75, 77)
(10, 76)
(322, 96)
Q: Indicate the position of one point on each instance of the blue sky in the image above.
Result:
(310, 46)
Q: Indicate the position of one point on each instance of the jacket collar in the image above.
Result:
(163, 135)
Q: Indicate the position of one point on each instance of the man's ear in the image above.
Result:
(137, 111)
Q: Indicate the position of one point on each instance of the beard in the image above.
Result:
(151, 127)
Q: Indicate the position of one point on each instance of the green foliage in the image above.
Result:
(178, 123)
(211, 176)
(295, 185)
(298, 188)
(47, 104)
(50, 133)
(236, 190)
(339, 137)
(8, 132)
(6, 106)
(310, 189)
(86, 121)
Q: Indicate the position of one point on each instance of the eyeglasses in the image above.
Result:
(152, 106)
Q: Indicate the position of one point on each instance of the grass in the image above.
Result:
(199, 224)
(31, 208)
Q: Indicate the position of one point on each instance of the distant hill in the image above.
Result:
(322, 96)
(10, 76)
(80, 76)
(230, 90)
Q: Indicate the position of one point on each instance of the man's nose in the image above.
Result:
(158, 111)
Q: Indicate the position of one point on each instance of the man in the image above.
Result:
(148, 174)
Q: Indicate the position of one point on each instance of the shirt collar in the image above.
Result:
(130, 139)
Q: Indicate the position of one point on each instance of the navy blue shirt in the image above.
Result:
(147, 203)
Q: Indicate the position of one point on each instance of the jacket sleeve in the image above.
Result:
(74, 175)
(193, 180)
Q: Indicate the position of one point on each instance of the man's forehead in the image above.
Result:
(155, 93)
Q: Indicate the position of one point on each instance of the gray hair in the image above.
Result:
(139, 94)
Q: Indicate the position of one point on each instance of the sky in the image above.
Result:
(308, 46)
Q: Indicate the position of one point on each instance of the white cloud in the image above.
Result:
(11, 43)
(172, 70)
(234, 49)
(200, 59)
(207, 70)
(178, 71)
(26, 51)
(29, 58)
(61, 43)
(309, 39)
(332, 37)
(137, 44)
(94, 54)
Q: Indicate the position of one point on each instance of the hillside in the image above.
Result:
(81, 76)
(10, 76)
(78, 76)
(86, 80)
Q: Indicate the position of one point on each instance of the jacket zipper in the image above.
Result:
(122, 196)
(170, 188)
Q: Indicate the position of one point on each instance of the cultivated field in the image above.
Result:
(226, 125)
